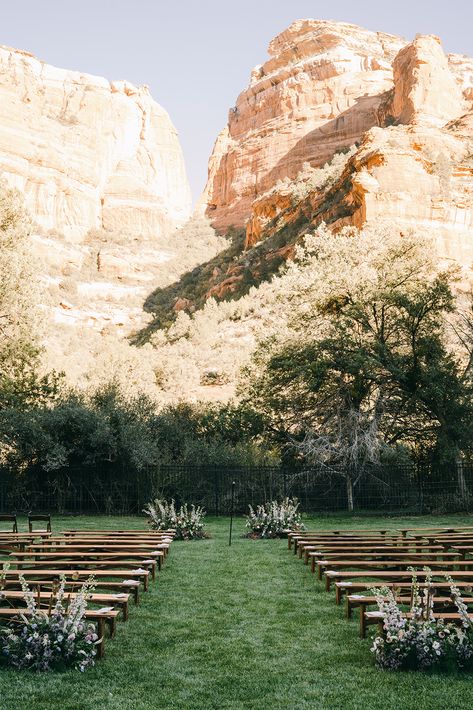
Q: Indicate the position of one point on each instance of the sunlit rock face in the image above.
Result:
(318, 92)
(325, 86)
(88, 153)
(425, 90)
(414, 169)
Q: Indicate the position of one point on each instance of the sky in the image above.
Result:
(196, 56)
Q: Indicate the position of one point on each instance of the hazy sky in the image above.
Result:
(197, 56)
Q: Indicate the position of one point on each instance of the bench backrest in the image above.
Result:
(40, 517)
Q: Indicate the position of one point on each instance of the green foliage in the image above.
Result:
(365, 363)
(20, 300)
(211, 435)
(106, 430)
(192, 286)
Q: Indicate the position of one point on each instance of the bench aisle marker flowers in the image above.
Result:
(54, 638)
(274, 519)
(187, 521)
(421, 641)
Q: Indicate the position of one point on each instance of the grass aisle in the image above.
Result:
(240, 628)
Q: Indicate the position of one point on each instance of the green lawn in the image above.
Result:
(241, 628)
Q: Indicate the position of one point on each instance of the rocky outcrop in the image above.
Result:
(318, 92)
(88, 153)
(414, 168)
(325, 85)
(425, 90)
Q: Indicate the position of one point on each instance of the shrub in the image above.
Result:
(187, 521)
(422, 642)
(274, 519)
(52, 639)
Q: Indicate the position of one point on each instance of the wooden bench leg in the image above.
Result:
(312, 564)
(328, 582)
(338, 594)
(112, 626)
(362, 621)
(348, 608)
(319, 570)
(101, 635)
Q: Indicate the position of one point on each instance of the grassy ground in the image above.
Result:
(240, 628)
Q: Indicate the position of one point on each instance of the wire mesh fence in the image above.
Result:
(110, 490)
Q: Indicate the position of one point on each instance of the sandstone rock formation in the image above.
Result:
(325, 85)
(318, 92)
(425, 90)
(417, 173)
(87, 153)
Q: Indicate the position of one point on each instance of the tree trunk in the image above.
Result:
(349, 482)
(462, 488)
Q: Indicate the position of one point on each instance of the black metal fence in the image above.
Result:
(410, 489)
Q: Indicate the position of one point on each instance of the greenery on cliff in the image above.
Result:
(359, 350)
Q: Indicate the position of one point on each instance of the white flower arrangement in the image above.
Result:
(421, 641)
(53, 638)
(187, 521)
(274, 519)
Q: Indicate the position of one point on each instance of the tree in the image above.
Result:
(365, 363)
(20, 302)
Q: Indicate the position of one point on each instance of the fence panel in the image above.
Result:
(107, 489)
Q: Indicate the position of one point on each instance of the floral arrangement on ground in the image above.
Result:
(51, 639)
(187, 521)
(418, 640)
(274, 519)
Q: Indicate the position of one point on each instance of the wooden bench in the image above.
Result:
(36, 555)
(96, 561)
(381, 575)
(120, 600)
(131, 587)
(356, 559)
(434, 529)
(347, 539)
(349, 587)
(53, 546)
(402, 561)
(322, 549)
(73, 575)
(433, 550)
(353, 601)
(376, 617)
(119, 533)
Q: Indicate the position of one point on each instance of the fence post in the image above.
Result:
(462, 489)
(420, 490)
(232, 511)
(216, 491)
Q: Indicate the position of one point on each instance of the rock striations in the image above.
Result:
(318, 92)
(88, 153)
(326, 87)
